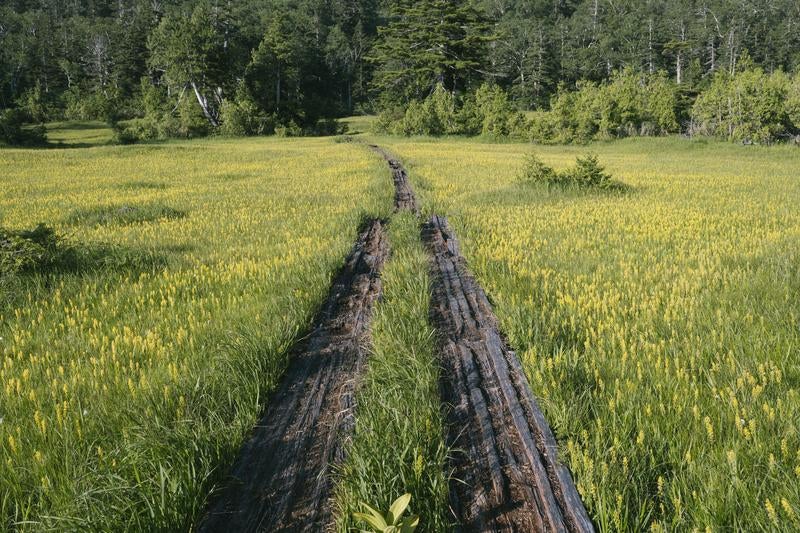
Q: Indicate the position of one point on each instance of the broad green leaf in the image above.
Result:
(410, 524)
(399, 506)
(376, 522)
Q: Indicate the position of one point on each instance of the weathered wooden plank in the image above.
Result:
(506, 473)
(404, 198)
(281, 480)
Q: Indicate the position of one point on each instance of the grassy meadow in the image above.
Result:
(660, 327)
(129, 381)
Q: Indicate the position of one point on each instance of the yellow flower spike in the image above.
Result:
(773, 516)
(788, 510)
(709, 428)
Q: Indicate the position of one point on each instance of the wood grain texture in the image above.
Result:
(281, 480)
(506, 473)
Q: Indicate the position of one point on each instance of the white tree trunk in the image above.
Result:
(207, 111)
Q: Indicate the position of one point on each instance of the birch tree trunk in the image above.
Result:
(207, 111)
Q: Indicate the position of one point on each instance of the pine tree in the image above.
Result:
(427, 43)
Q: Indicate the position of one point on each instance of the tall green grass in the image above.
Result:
(131, 374)
(398, 445)
(659, 328)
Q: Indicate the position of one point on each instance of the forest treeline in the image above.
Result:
(589, 68)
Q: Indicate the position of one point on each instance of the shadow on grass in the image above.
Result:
(234, 176)
(123, 215)
(143, 185)
(34, 261)
(518, 194)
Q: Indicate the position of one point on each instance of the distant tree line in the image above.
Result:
(750, 106)
(190, 67)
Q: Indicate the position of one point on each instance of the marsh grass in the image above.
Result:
(143, 185)
(659, 329)
(126, 391)
(123, 214)
(398, 446)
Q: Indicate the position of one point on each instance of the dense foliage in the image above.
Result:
(749, 106)
(189, 67)
(587, 173)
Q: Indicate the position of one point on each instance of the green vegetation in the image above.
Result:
(128, 383)
(657, 329)
(398, 445)
(749, 106)
(149, 294)
(392, 521)
(14, 132)
(29, 250)
(586, 174)
(593, 68)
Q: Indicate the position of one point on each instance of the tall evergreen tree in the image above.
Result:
(430, 42)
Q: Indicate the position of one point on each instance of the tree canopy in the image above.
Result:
(301, 60)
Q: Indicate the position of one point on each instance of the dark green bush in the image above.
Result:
(493, 110)
(34, 103)
(241, 116)
(436, 115)
(388, 119)
(536, 172)
(38, 249)
(586, 174)
(290, 129)
(43, 252)
(14, 131)
(326, 127)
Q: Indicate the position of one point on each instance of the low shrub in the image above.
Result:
(30, 250)
(587, 173)
(291, 129)
(326, 127)
(14, 131)
(536, 172)
(148, 128)
(42, 251)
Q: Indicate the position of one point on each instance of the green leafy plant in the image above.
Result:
(587, 173)
(28, 250)
(535, 171)
(392, 521)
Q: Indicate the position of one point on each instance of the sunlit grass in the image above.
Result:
(125, 392)
(659, 327)
(80, 133)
